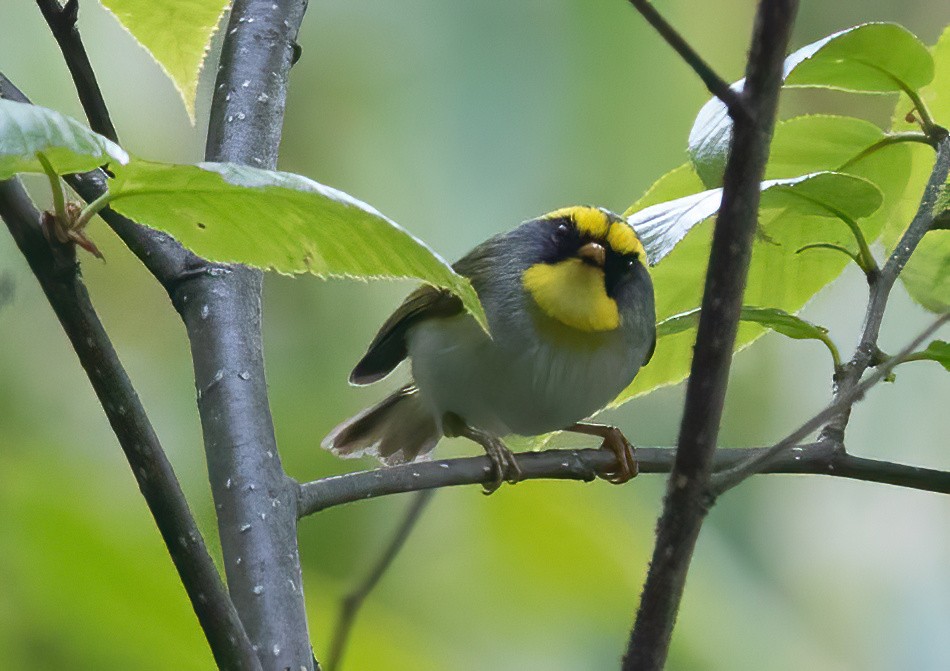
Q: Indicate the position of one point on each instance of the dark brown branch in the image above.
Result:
(58, 274)
(824, 458)
(718, 86)
(351, 603)
(686, 504)
(62, 23)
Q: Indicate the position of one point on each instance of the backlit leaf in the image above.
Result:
(69, 146)
(870, 58)
(177, 34)
(277, 221)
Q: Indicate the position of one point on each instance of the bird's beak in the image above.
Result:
(593, 252)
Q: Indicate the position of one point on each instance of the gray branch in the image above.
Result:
(820, 458)
(58, 273)
(221, 308)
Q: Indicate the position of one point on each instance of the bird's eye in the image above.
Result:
(561, 234)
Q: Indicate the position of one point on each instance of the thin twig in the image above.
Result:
(686, 503)
(61, 20)
(822, 458)
(55, 268)
(726, 480)
(718, 86)
(351, 603)
(850, 374)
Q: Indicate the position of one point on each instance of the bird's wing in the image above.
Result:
(388, 348)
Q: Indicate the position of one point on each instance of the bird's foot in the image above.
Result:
(617, 443)
(504, 464)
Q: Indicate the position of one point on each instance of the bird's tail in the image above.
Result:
(396, 430)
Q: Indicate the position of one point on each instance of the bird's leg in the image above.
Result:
(616, 442)
(503, 460)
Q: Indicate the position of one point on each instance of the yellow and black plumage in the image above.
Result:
(570, 308)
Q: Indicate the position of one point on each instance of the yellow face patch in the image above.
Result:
(589, 220)
(573, 293)
(623, 240)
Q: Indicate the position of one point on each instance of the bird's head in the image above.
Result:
(588, 259)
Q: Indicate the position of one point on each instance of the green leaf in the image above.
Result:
(778, 277)
(927, 274)
(937, 350)
(662, 226)
(26, 130)
(277, 221)
(177, 34)
(772, 318)
(870, 58)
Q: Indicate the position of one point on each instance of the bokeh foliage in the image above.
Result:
(436, 113)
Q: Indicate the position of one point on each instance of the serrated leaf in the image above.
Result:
(69, 146)
(662, 226)
(927, 274)
(278, 221)
(870, 58)
(937, 350)
(176, 33)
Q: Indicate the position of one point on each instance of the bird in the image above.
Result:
(571, 319)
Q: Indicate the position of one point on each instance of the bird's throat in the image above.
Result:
(573, 293)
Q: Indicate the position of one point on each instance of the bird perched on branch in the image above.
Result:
(570, 308)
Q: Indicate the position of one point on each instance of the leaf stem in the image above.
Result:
(886, 141)
(865, 258)
(59, 201)
(828, 245)
(926, 119)
(92, 209)
(833, 349)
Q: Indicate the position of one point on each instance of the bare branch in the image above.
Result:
(821, 458)
(351, 603)
(722, 482)
(686, 503)
(718, 86)
(57, 272)
(62, 23)
(221, 308)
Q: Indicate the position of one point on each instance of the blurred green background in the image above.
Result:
(459, 120)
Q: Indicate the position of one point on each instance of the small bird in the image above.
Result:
(571, 313)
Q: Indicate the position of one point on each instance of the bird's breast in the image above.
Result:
(524, 383)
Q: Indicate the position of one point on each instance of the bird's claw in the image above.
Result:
(504, 466)
(623, 449)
